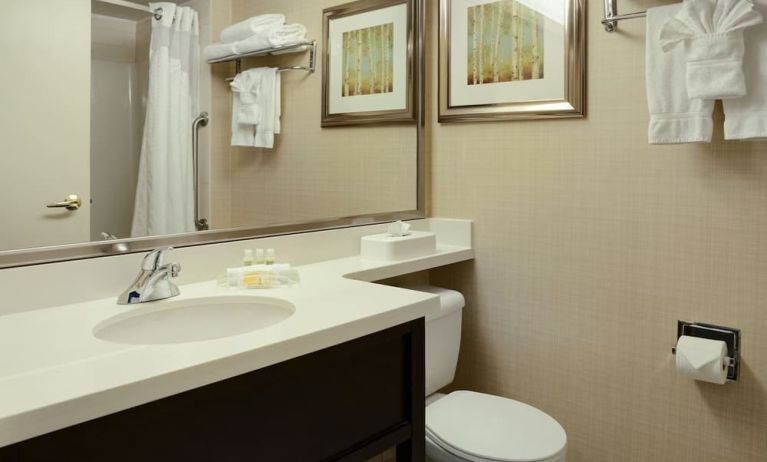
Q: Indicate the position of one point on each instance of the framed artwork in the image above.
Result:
(368, 72)
(511, 60)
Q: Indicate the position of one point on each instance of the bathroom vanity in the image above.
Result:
(346, 403)
(339, 377)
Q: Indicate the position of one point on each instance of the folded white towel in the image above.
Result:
(288, 34)
(712, 33)
(251, 26)
(674, 117)
(281, 36)
(746, 118)
(218, 50)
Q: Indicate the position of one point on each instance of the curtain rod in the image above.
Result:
(134, 6)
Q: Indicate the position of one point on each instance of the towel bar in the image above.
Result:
(612, 17)
(311, 67)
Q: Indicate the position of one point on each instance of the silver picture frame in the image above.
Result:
(573, 104)
(408, 114)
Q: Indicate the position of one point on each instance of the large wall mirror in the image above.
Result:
(116, 133)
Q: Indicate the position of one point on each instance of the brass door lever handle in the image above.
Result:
(71, 203)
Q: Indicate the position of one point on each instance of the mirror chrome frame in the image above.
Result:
(67, 252)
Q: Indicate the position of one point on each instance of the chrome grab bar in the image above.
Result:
(201, 224)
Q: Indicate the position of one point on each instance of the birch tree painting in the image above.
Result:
(505, 43)
(368, 61)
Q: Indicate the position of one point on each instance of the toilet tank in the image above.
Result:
(443, 337)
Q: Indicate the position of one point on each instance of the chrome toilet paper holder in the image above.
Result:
(728, 335)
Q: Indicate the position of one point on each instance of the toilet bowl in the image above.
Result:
(466, 426)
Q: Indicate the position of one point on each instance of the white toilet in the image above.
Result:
(475, 427)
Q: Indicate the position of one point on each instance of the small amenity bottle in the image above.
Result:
(247, 258)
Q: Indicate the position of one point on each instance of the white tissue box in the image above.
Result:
(383, 247)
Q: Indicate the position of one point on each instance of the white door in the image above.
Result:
(44, 121)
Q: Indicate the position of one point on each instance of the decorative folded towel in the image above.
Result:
(712, 33)
(282, 36)
(256, 107)
(746, 118)
(251, 26)
(674, 117)
(218, 50)
(246, 113)
(246, 86)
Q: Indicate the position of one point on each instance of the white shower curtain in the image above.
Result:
(164, 193)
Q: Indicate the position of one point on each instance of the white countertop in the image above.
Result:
(54, 373)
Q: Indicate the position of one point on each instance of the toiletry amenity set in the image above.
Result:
(260, 272)
(257, 97)
(701, 51)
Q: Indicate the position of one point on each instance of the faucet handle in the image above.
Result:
(154, 259)
(175, 270)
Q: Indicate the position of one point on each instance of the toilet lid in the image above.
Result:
(493, 428)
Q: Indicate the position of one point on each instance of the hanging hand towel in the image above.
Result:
(674, 118)
(252, 26)
(712, 33)
(746, 118)
(269, 100)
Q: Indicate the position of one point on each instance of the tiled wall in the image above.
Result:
(312, 173)
(590, 245)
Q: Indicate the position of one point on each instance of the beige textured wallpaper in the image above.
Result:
(220, 125)
(591, 244)
(312, 173)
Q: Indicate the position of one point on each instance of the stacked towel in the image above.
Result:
(254, 34)
(256, 110)
(252, 26)
(218, 51)
(674, 117)
(282, 36)
(712, 32)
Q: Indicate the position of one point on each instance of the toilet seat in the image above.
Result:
(484, 428)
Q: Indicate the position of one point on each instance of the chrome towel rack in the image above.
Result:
(612, 17)
(311, 67)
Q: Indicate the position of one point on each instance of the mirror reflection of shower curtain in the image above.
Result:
(164, 193)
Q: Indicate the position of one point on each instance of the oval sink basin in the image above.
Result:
(193, 320)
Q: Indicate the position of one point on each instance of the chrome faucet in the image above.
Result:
(153, 282)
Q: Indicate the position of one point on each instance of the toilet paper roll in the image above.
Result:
(702, 359)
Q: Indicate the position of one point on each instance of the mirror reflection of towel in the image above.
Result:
(256, 107)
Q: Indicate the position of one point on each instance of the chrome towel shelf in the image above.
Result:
(311, 67)
(612, 17)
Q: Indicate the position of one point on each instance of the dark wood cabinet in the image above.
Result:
(348, 402)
